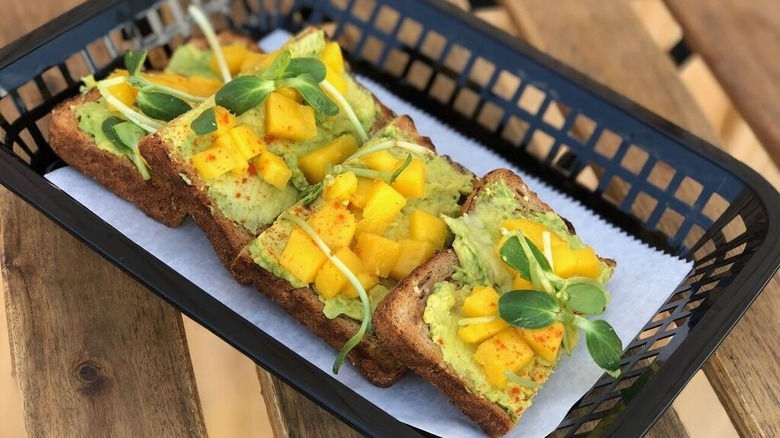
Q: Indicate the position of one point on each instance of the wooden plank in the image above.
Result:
(742, 54)
(95, 353)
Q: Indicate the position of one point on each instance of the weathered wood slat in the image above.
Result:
(95, 353)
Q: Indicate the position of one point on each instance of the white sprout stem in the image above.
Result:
(344, 105)
(387, 144)
(477, 320)
(412, 147)
(148, 124)
(208, 31)
(174, 92)
(522, 381)
(547, 245)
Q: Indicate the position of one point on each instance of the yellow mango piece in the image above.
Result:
(482, 301)
(382, 161)
(332, 57)
(272, 169)
(302, 257)
(425, 226)
(225, 142)
(225, 120)
(330, 281)
(412, 253)
(286, 118)
(336, 79)
(335, 224)
(234, 57)
(247, 142)
(215, 161)
(520, 283)
(366, 280)
(178, 82)
(290, 93)
(360, 196)
(379, 254)
(264, 60)
(564, 260)
(383, 203)
(203, 87)
(342, 187)
(504, 351)
(544, 341)
(251, 59)
(124, 92)
(588, 264)
(476, 333)
(314, 164)
(411, 182)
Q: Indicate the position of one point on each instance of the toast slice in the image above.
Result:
(232, 224)
(116, 171)
(401, 326)
(260, 263)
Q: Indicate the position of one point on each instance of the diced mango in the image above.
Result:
(288, 119)
(302, 257)
(411, 181)
(290, 93)
(382, 161)
(425, 226)
(504, 351)
(342, 187)
(336, 79)
(203, 87)
(178, 82)
(215, 161)
(378, 253)
(272, 169)
(360, 196)
(383, 203)
(225, 120)
(545, 341)
(251, 59)
(124, 92)
(412, 253)
(330, 281)
(332, 57)
(564, 260)
(335, 224)
(520, 283)
(314, 164)
(588, 263)
(482, 301)
(225, 142)
(366, 280)
(265, 60)
(247, 142)
(234, 57)
(476, 333)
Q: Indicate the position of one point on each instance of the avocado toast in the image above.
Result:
(237, 176)
(76, 133)
(448, 320)
(380, 227)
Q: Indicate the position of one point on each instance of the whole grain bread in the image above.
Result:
(155, 196)
(398, 320)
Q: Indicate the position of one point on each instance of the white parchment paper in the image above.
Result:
(643, 280)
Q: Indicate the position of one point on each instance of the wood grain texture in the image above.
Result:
(743, 55)
(95, 353)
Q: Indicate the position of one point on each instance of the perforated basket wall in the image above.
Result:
(655, 181)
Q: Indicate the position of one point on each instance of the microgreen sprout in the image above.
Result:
(202, 21)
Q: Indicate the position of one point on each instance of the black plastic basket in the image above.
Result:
(642, 173)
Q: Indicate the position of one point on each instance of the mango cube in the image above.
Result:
(379, 254)
(225, 120)
(412, 253)
(588, 263)
(332, 57)
(290, 93)
(234, 58)
(545, 341)
(251, 59)
(330, 281)
(124, 92)
(178, 82)
(202, 87)
(335, 224)
(314, 164)
(504, 351)
(302, 257)
(476, 333)
(215, 161)
(360, 196)
(411, 181)
(427, 227)
(286, 118)
(272, 169)
(342, 187)
(482, 301)
(247, 142)
(520, 283)
(383, 203)
(382, 161)
(336, 79)
(366, 280)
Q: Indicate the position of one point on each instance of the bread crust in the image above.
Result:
(399, 324)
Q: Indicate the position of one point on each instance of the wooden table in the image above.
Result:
(96, 354)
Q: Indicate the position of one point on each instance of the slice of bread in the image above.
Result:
(399, 323)
(227, 236)
(155, 196)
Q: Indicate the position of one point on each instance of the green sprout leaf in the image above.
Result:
(125, 137)
(108, 130)
(205, 123)
(129, 133)
(528, 309)
(134, 59)
(277, 68)
(300, 66)
(603, 343)
(312, 94)
(161, 106)
(512, 254)
(403, 167)
(243, 93)
(586, 296)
